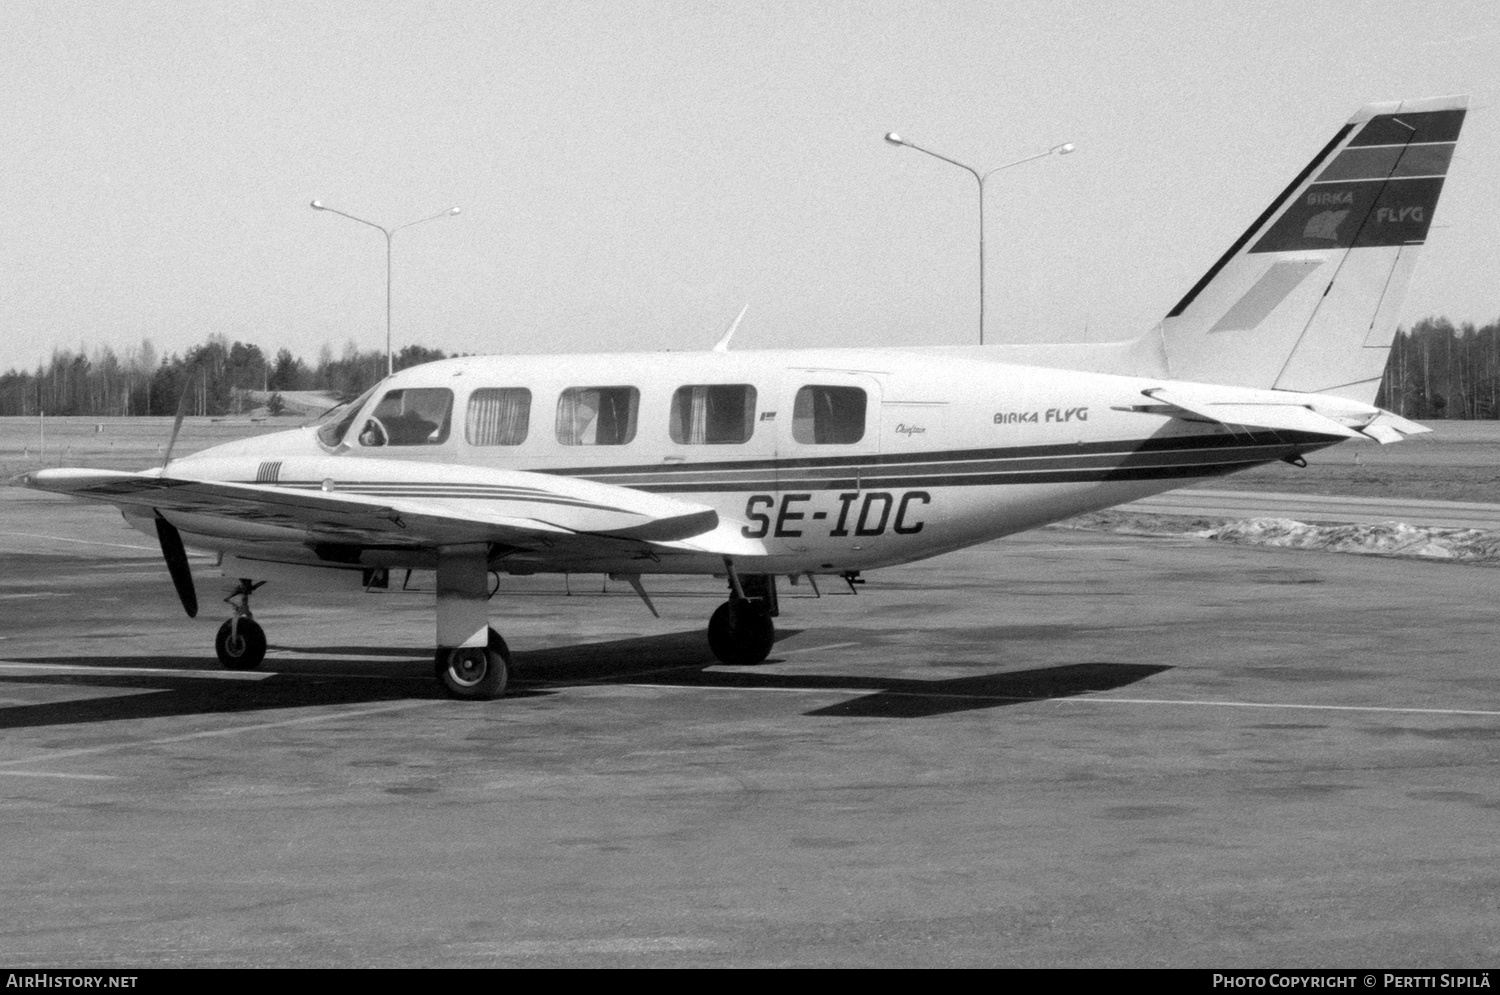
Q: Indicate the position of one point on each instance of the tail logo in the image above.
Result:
(1374, 186)
(1399, 215)
(1325, 225)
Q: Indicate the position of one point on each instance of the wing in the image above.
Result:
(1319, 414)
(389, 504)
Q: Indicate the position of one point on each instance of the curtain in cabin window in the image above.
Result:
(713, 414)
(498, 416)
(828, 415)
(597, 416)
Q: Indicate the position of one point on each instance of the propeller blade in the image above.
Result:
(177, 564)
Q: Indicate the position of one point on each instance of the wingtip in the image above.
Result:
(673, 529)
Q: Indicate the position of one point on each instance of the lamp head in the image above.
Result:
(317, 205)
(1065, 149)
(456, 210)
(894, 138)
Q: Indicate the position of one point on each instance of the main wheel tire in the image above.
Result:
(474, 673)
(240, 644)
(740, 633)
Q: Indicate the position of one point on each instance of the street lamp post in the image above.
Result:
(318, 205)
(979, 177)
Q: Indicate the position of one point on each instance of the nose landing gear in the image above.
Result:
(474, 673)
(241, 642)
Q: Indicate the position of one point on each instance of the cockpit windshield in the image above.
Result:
(334, 423)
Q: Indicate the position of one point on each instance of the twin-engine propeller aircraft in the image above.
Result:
(754, 465)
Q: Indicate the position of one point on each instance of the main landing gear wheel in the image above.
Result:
(741, 633)
(241, 644)
(474, 673)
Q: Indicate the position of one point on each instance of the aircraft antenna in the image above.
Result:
(177, 422)
(723, 344)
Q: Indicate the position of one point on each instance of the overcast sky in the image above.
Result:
(631, 174)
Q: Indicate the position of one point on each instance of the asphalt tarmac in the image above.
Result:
(1065, 748)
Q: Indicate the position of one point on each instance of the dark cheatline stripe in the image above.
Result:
(1081, 476)
(1399, 129)
(1382, 162)
(849, 461)
(1354, 214)
(1130, 460)
(1265, 216)
(1042, 464)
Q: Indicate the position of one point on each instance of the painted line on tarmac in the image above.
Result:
(813, 649)
(1093, 547)
(1087, 699)
(43, 773)
(754, 668)
(84, 542)
(233, 675)
(73, 668)
(210, 733)
(609, 945)
(1284, 705)
(142, 564)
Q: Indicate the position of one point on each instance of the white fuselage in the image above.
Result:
(947, 451)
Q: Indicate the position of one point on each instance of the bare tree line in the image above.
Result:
(1439, 370)
(214, 376)
(1435, 370)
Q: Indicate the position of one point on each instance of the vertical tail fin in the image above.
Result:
(1308, 297)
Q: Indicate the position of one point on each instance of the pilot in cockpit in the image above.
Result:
(400, 419)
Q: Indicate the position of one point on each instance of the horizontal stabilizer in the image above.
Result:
(1389, 421)
(1277, 416)
(1317, 414)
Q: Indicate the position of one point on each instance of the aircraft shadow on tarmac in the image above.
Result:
(684, 660)
(330, 675)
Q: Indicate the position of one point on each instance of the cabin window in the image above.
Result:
(713, 414)
(824, 415)
(597, 416)
(409, 417)
(498, 416)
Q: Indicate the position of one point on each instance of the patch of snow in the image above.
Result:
(1383, 539)
(1387, 538)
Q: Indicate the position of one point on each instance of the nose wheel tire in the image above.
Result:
(240, 644)
(474, 673)
(741, 633)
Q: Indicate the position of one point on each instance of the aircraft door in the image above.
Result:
(828, 432)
